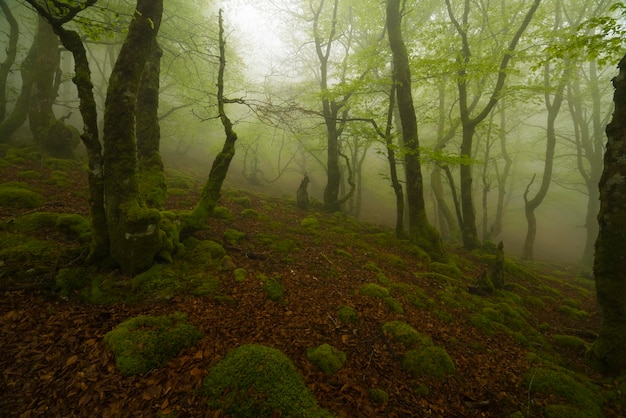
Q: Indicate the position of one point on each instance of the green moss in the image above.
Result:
(394, 305)
(573, 312)
(394, 260)
(413, 293)
(250, 214)
(240, 275)
(59, 164)
(405, 334)
(23, 255)
(221, 212)
(233, 236)
(569, 341)
(257, 381)
(347, 315)
(178, 181)
(384, 280)
(370, 266)
(448, 270)
(572, 303)
(273, 288)
(146, 342)
(428, 361)
(310, 222)
(35, 221)
(29, 174)
(243, 201)
(343, 253)
(550, 291)
(209, 285)
(18, 197)
(69, 280)
(74, 226)
(159, 281)
(374, 290)
(59, 178)
(534, 301)
(378, 395)
(326, 358)
(571, 387)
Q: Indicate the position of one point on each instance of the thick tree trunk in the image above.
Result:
(133, 228)
(609, 266)
(420, 231)
(11, 52)
(151, 175)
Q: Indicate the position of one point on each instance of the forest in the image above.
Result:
(308, 208)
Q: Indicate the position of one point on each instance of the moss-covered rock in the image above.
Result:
(146, 342)
(326, 358)
(430, 361)
(258, 381)
(405, 334)
(273, 288)
(240, 275)
(13, 196)
(347, 314)
(378, 395)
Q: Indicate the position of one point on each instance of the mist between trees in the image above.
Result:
(511, 100)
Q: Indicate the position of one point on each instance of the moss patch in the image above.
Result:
(146, 342)
(326, 358)
(13, 196)
(273, 288)
(405, 334)
(347, 315)
(429, 361)
(258, 381)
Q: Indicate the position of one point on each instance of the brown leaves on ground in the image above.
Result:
(53, 361)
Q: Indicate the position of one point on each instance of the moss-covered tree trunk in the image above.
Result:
(609, 267)
(133, 228)
(20, 110)
(420, 231)
(212, 189)
(11, 52)
(82, 79)
(151, 176)
(49, 133)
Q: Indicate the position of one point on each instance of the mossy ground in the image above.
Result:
(320, 268)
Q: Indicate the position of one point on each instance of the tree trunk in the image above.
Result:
(420, 231)
(212, 189)
(609, 267)
(50, 134)
(20, 111)
(11, 52)
(133, 228)
(152, 185)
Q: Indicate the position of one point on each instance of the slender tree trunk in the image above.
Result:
(82, 79)
(212, 189)
(609, 267)
(420, 231)
(11, 52)
(133, 228)
(20, 111)
(503, 176)
(151, 175)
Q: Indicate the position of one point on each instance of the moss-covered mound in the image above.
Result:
(259, 381)
(14, 196)
(146, 342)
(326, 358)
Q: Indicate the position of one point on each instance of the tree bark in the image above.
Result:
(20, 111)
(212, 189)
(609, 268)
(133, 228)
(151, 175)
(11, 52)
(420, 231)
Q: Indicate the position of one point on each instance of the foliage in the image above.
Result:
(258, 381)
(143, 343)
(326, 358)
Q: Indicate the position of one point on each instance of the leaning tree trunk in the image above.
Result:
(151, 176)
(11, 52)
(212, 189)
(609, 266)
(20, 110)
(133, 228)
(420, 231)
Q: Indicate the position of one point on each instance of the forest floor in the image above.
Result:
(518, 352)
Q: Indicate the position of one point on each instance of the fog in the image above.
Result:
(274, 72)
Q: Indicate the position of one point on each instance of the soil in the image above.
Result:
(54, 362)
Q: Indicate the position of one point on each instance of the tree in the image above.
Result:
(420, 231)
(11, 52)
(467, 107)
(609, 265)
